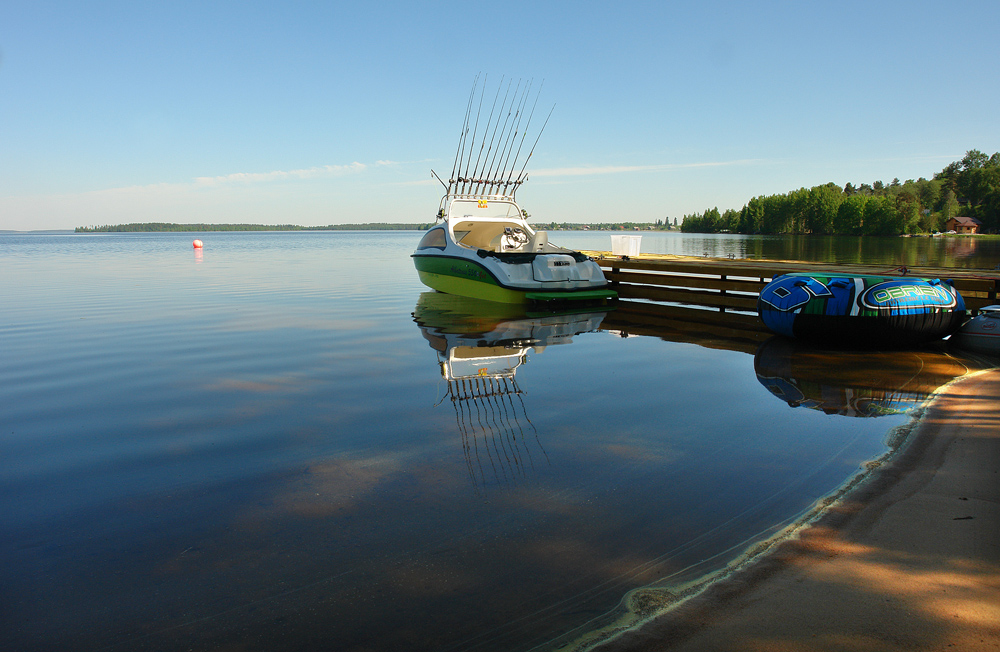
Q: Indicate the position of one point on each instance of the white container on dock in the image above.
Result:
(625, 245)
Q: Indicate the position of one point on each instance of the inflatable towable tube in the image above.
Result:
(861, 311)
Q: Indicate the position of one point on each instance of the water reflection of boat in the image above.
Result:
(480, 345)
(857, 384)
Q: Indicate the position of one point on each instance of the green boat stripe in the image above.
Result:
(470, 288)
(473, 270)
(446, 266)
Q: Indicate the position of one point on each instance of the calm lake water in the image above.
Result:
(961, 252)
(285, 442)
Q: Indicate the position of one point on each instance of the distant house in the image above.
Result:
(966, 225)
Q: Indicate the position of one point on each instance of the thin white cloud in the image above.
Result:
(423, 160)
(424, 182)
(619, 169)
(587, 171)
(282, 175)
(607, 169)
(234, 179)
(241, 196)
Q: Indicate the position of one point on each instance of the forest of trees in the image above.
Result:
(966, 188)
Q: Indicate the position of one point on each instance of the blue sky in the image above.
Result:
(317, 113)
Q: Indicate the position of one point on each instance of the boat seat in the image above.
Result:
(538, 241)
(502, 242)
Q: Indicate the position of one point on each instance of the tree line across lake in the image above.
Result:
(966, 188)
(161, 227)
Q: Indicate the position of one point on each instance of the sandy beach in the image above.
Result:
(910, 561)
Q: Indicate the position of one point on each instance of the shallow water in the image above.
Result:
(285, 442)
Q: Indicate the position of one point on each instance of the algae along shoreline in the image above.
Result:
(645, 604)
(881, 514)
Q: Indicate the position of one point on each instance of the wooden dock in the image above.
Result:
(717, 297)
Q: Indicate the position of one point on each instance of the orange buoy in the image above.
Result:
(197, 244)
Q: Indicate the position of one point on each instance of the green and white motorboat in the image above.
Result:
(481, 244)
(485, 249)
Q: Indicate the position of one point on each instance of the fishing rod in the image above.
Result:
(523, 136)
(447, 189)
(481, 160)
(513, 139)
(478, 172)
(503, 150)
(520, 175)
(465, 136)
(465, 130)
(496, 161)
(489, 176)
(476, 128)
(497, 176)
(490, 120)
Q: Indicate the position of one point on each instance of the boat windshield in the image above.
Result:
(484, 208)
(490, 234)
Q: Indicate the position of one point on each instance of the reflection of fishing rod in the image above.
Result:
(524, 411)
(508, 436)
(468, 400)
(484, 410)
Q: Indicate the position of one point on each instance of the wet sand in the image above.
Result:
(909, 561)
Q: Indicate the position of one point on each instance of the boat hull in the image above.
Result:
(861, 311)
(981, 333)
(469, 278)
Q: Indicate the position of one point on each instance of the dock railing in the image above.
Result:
(724, 291)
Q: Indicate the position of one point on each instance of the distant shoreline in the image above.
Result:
(221, 228)
(36, 231)
(167, 227)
